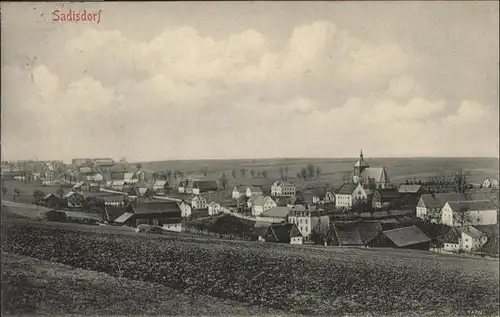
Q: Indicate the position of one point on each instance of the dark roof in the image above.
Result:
(170, 208)
(491, 246)
(402, 237)
(453, 235)
(458, 206)
(283, 232)
(100, 195)
(260, 229)
(488, 230)
(360, 233)
(347, 189)
(113, 213)
(439, 200)
(207, 185)
(388, 193)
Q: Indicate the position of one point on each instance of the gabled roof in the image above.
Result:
(452, 236)
(361, 161)
(51, 195)
(170, 208)
(356, 233)
(407, 236)
(440, 199)
(78, 184)
(160, 184)
(69, 194)
(112, 213)
(489, 230)
(409, 189)
(347, 189)
(278, 212)
(260, 200)
(283, 232)
(260, 229)
(255, 189)
(240, 188)
(388, 193)
(207, 185)
(283, 184)
(379, 174)
(472, 232)
(479, 205)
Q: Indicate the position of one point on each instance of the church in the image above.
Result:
(364, 174)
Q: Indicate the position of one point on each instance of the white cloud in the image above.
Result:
(182, 94)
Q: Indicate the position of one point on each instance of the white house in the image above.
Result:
(197, 202)
(182, 187)
(463, 213)
(161, 187)
(186, 209)
(464, 239)
(214, 208)
(430, 205)
(260, 204)
(253, 191)
(283, 189)
(348, 194)
(329, 197)
(175, 227)
(239, 191)
(95, 177)
(306, 221)
(490, 183)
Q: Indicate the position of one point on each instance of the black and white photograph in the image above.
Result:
(250, 158)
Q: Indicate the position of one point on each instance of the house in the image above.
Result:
(283, 233)
(214, 208)
(253, 191)
(490, 183)
(261, 204)
(188, 187)
(283, 189)
(355, 234)
(166, 214)
(367, 175)
(161, 187)
(462, 213)
(94, 177)
(485, 194)
(239, 191)
(117, 185)
(52, 201)
(277, 213)
(452, 240)
(430, 205)
(306, 221)
(348, 194)
(74, 199)
(200, 187)
(108, 199)
(464, 239)
(111, 213)
(197, 202)
(329, 197)
(405, 238)
(86, 187)
(186, 208)
(410, 193)
(387, 197)
(181, 188)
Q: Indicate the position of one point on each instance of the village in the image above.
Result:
(448, 215)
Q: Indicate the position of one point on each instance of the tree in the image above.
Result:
(310, 171)
(223, 180)
(243, 172)
(60, 192)
(169, 174)
(4, 190)
(233, 173)
(252, 172)
(286, 173)
(298, 175)
(318, 171)
(38, 195)
(139, 166)
(303, 173)
(181, 174)
(204, 170)
(264, 173)
(155, 176)
(461, 182)
(282, 173)
(17, 192)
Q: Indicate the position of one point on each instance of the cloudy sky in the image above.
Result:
(250, 80)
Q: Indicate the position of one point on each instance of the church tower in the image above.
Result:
(359, 167)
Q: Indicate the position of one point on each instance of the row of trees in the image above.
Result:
(168, 175)
(253, 173)
(309, 172)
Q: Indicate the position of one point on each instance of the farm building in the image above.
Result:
(186, 208)
(200, 187)
(283, 233)
(260, 230)
(356, 234)
(112, 213)
(384, 198)
(260, 204)
(405, 238)
(283, 189)
(156, 213)
(214, 208)
(53, 201)
(73, 199)
(430, 205)
(307, 220)
(462, 213)
(365, 174)
(410, 194)
(253, 191)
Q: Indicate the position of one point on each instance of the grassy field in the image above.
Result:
(32, 286)
(333, 170)
(27, 191)
(293, 279)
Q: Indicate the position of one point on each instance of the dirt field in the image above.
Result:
(316, 281)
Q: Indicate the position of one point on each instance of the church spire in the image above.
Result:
(361, 154)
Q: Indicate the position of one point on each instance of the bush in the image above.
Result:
(57, 216)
